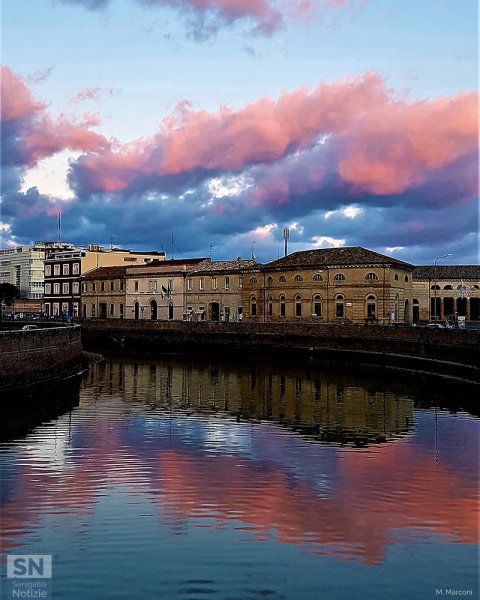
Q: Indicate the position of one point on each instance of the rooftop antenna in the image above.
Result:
(171, 257)
(253, 253)
(111, 241)
(59, 226)
(286, 235)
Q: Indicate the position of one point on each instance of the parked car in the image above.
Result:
(434, 326)
(29, 327)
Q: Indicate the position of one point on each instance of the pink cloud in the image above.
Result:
(17, 100)
(376, 143)
(34, 133)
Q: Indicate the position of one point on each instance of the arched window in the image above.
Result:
(371, 307)
(298, 305)
(406, 278)
(270, 306)
(298, 278)
(282, 305)
(339, 306)
(339, 277)
(448, 287)
(396, 277)
(270, 280)
(253, 306)
(371, 276)
(253, 280)
(317, 305)
(475, 287)
(435, 287)
(282, 279)
(317, 277)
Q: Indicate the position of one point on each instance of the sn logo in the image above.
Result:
(29, 566)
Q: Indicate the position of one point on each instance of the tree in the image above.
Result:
(8, 293)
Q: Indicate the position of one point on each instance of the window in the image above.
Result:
(269, 306)
(253, 306)
(317, 277)
(339, 277)
(75, 288)
(112, 310)
(437, 287)
(298, 278)
(48, 270)
(371, 277)
(112, 286)
(75, 309)
(94, 286)
(189, 284)
(227, 283)
(339, 306)
(76, 268)
(371, 307)
(201, 283)
(253, 280)
(317, 305)
(56, 288)
(214, 283)
(66, 269)
(448, 287)
(298, 306)
(102, 286)
(84, 287)
(93, 310)
(135, 286)
(240, 282)
(48, 288)
(282, 306)
(152, 286)
(282, 279)
(65, 288)
(122, 285)
(270, 280)
(56, 269)
(406, 278)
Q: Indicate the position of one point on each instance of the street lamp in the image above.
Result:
(435, 285)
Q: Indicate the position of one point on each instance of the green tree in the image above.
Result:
(8, 293)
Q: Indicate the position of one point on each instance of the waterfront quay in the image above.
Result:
(454, 353)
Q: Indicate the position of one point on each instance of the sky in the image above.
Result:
(206, 127)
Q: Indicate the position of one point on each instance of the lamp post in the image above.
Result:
(435, 285)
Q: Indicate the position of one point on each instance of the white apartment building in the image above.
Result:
(23, 266)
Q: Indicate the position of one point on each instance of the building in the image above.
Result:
(153, 291)
(64, 269)
(446, 292)
(350, 284)
(23, 266)
(214, 289)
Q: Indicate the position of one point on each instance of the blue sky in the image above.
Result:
(95, 135)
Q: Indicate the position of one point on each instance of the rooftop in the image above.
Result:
(428, 272)
(330, 257)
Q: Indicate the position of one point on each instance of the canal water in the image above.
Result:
(235, 478)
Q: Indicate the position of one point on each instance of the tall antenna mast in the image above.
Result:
(59, 226)
(286, 235)
(172, 247)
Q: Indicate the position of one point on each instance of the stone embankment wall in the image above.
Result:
(454, 353)
(38, 356)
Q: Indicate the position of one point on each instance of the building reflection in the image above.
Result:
(321, 405)
(214, 447)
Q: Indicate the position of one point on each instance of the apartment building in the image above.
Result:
(23, 266)
(63, 270)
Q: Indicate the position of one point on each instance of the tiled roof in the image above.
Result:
(104, 272)
(230, 266)
(164, 267)
(345, 256)
(427, 272)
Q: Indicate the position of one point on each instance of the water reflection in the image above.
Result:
(318, 404)
(162, 451)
